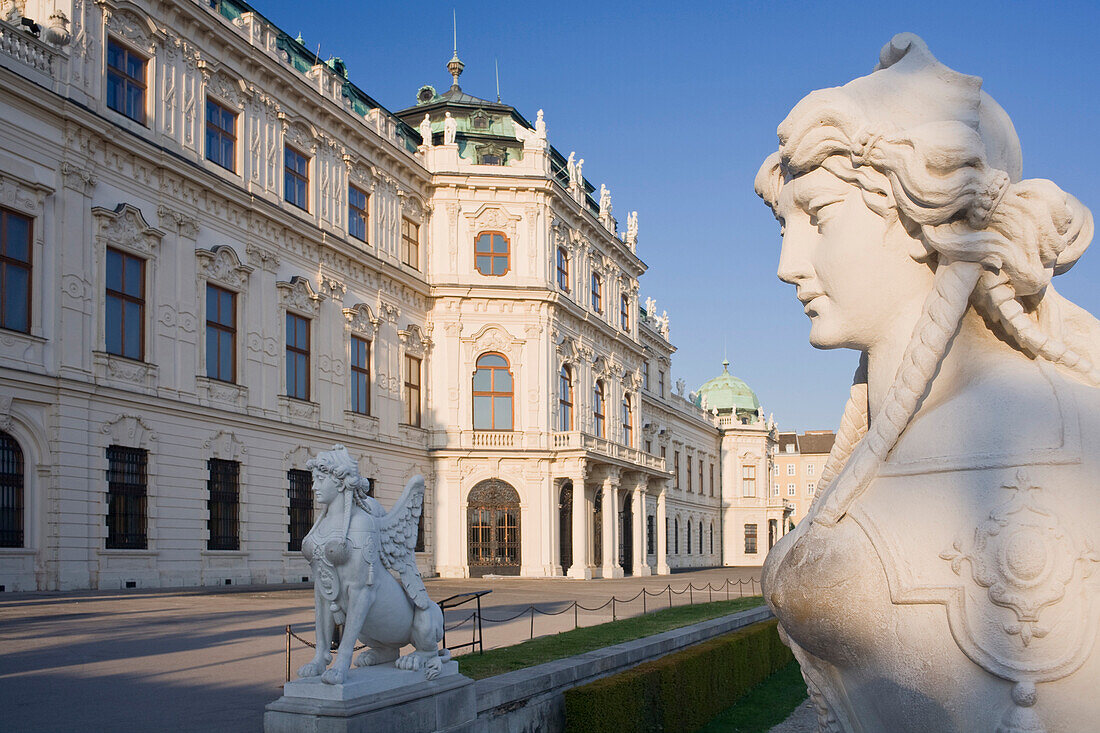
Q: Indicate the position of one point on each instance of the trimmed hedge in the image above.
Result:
(681, 691)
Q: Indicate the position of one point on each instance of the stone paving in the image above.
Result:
(191, 660)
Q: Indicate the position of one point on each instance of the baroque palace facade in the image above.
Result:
(218, 256)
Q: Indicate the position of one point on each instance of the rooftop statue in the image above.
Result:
(571, 169)
(944, 578)
(450, 129)
(352, 547)
(426, 130)
(540, 126)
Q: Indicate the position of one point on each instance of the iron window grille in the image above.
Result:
(223, 505)
(15, 271)
(125, 81)
(221, 334)
(650, 535)
(127, 498)
(301, 507)
(750, 539)
(11, 492)
(357, 213)
(125, 304)
(221, 135)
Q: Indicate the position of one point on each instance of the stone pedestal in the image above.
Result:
(380, 698)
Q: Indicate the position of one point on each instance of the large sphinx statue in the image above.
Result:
(352, 547)
(945, 577)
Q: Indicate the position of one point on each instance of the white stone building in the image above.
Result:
(219, 256)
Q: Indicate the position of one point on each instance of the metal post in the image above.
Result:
(740, 588)
(710, 595)
(691, 595)
(288, 652)
(643, 601)
(669, 587)
(613, 616)
(532, 622)
(727, 589)
(575, 623)
(480, 633)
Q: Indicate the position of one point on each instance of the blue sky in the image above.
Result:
(674, 106)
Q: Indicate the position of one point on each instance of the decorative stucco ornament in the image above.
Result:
(352, 547)
(945, 576)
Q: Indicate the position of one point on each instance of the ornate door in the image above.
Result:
(626, 536)
(565, 526)
(493, 525)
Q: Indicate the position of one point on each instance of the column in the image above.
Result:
(641, 567)
(611, 567)
(555, 526)
(580, 567)
(662, 532)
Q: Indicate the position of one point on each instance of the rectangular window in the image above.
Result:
(792, 489)
(701, 489)
(748, 481)
(126, 498)
(357, 214)
(295, 178)
(689, 474)
(790, 469)
(221, 135)
(412, 391)
(750, 539)
(649, 446)
(811, 487)
(360, 375)
(301, 507)
(810, 468)
(223, 504)
(712, 479)
(410, 243)
(125, 305)
(563, 269)
(663, 456)
(661, 383)
(597, 293)
(297, 357)
(676, 469)
(645, 375)
(15, 271)
(624, 312)
(221, 334)
(775, 489)
(650, 535)
(125, 81)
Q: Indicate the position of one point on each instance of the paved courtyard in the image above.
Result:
(191, 660)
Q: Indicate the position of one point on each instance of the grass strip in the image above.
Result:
(764, 706)
(587, 638)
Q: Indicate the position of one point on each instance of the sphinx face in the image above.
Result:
(326, 487)
(852, 269)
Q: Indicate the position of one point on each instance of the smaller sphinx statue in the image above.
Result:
(352, 547)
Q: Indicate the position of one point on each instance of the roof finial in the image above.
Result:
(725, 365)
(496, 65)
(455, 66)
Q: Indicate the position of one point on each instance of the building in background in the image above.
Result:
(797, 467)
(220, 256)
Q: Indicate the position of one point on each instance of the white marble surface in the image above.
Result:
(362, 682)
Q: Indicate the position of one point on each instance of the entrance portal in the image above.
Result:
(565, 526)
(493, 529)
(626, 536)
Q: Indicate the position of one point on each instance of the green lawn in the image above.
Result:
(587, 638)
(764, 706)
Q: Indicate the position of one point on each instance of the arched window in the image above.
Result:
(11, 492)
(565, 399)
(493, 393)
(598, 409)
(563, 269)
(628, 422)
(492, 253)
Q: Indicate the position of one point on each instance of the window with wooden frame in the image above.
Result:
(410, 243)
(126, 83)
(15, 271)
(493, 393)
(624, 312)
(297, 356)
(221, 334)
(661, 383)
(221, 135)
(358, 218)
(412, 391)
(645, 375)
(565, 399)
(300, 507)
(124, 318)
(597, 293)
(563, 269)
(599, 410)
(748, 481)
(223, 505)
(126, 498)
(712, 479)
(689, 474)
(628, 422)
(360, 375)
(295, 178)
(676, 469)
(11, 492)
(492, 254)
(701, 489)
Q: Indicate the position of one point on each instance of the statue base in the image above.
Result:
(380, 698)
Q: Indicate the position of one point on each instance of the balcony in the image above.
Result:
(518, 440)
(607, 448)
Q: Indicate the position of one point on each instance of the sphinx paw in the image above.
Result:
(334, 676)
(312, 669)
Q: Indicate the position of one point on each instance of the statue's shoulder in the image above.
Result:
(1020, 413)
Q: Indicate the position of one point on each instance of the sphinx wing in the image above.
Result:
(397, 534)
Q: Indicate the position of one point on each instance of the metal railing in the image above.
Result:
(454, 602)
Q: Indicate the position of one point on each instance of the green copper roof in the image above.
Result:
(727, 393)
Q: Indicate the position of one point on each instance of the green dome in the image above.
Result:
(728, 394)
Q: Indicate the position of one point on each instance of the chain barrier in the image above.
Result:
(574, 606)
